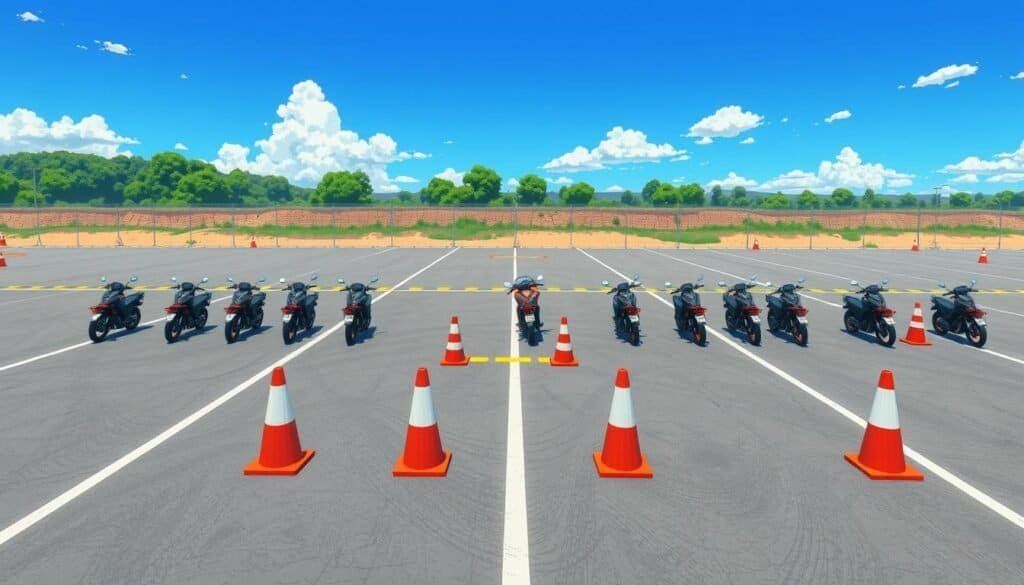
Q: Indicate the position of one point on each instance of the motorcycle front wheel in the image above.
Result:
(99, 328)
(634, 334)
(700, 334)
(885, 333)
(172, 329)
(977, 335)
(201, 318)
(730, 321)
(289, 331)
(850, 322)
(133, 319)
(232, 329)
(939, 324)
(257, 320)
(800, 334)
(773, 322)
(754, 333)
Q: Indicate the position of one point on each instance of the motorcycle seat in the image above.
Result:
(943, 302)
(244, 286)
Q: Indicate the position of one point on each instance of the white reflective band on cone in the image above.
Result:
(453, 328)
(563, 347)
(422, 414)
(453, 346)
(883, 410)
(622, 410)
(279, 408)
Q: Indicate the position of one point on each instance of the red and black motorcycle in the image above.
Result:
(116, 310)
(357, 308)
(741, 312)
(786, 313)
(189, 310)
(689, 312)
(299, 311)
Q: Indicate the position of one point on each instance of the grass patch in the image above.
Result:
(70, 228)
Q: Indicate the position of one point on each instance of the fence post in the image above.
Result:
(234, 224)
(810, 234)
(572, 227)
(625, 232)
(334, 226)
(678, 221)
(747, 223)
(152, 221)
(189, 242)
(277, 229)
(78, 230)
(117, 210)
(863, 228)
(999, 234)
(452, 226)
(391, 223)
(515, 224)
(919, 207)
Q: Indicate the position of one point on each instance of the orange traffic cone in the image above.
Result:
(454, 355)
(3, 262)
(915, 247)
(280, 451)
(915, 334)
(881, 452)
(756, 246)
(3, 240)
(983, 259)
(252, 242)
(423, 455)
(563, 349)
(621, 456)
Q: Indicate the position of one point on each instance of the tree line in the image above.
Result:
(168, 179)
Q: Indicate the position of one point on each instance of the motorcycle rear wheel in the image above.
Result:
(99, 328)
(350, 334)
(754, 333)
(939, 324)
(133, 319)
(800, 334)
(232, 329)
(850, 322)
(289, 331)
(700, 334)
(634, 334)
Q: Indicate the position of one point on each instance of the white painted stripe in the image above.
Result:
(622, 415)
(279, 407)
(422, 412)
(883, 410)
(974, 493)
(515, 550)
(95, 479)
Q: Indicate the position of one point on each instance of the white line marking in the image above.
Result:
(968, 489)
(515, 556)
(98, 477)
(35, 298)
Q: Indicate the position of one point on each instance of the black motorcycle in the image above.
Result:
(299, 312)
(868, 313)
(785, 313)
(959, 315)
(188, 311)
(625, 313)
(245, 310)
(740, 311)
(116, 310)
(357, 308)
(528, 306)
(689, 313)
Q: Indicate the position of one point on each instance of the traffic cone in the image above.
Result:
(280, 451)
(252, 242)
(915, 333)
(423, 455)
(3, 240)
(881, 452)
(563, 355)
(915, 247)
(454, 355)
(3, 261)
(983, 259)
(756, 246)
(621, 456)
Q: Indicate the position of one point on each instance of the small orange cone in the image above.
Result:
(423, 455)
(280, 452)
(881, 452)
(3, 240)
(563, 355)
(3, 261)
(983, 259)
(915, 247)
(454, 355)
(915, 333)
(621, 456)
(252, 242)
(756, 246)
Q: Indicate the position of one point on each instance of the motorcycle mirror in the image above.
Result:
(262, 279)
(374, 279)
(205, 279)
(885, 281)
(174, 279)
(314, 276)
(753, 277)
(721, 283)
(801, 280)
(604, 282)
(942, 285)
(508, 284)
(282, 281)
(103, 279)
(668, 284)
(973, 282)
(853, 283)
(539, 278)
(228, 278)
(341, 281)
(769, 283)
(133, 278)
(700, 278)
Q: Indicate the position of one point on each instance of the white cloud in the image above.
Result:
(747, 140)
(406, 179)
(1007, 178)
(180, 146)
(559, 181)
(965, 178)
(942, 75)
(847, 170)
(840, 115)
(451, 175)
(726, 122)
(25, 131)
(29, 17)
(1018, 76)
(513, 182)
(620, 146)
(449, 141)
(704, 163)
(309, 141)
(1004, 162)
(785, 120)
(83, 47)
(183, 76)
(704, 140)
(901, 86)
(678, 180)
(115, 48)
(614, 189)
(680, 158)
(954, 84)
(733, 180)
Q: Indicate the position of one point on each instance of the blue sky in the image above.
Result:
(520, 87)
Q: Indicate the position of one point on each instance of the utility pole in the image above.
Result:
(35, 201)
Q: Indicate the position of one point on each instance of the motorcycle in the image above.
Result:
(624, 310)
(188, 311)
(528, 306)
(786, 313)
(740, 310)
(869, 313)
(245, 310)
(115, 309)
(689, 313)
(357, 308)
(959, 315)
(299, 311)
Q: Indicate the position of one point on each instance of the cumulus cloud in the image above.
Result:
(733, 180)
(954, 84)
(614, 189)
(619, 146)
(180, 146)
(309, 141)
(116, 48)
(1018, 76)
(449, 141)
(560, 181)
(840, 115)
(83, 47)
(847, 170)
(965, 178)
(678, 180)
(726, 122)
(513, 182)
(451, 175)
(785, 120)
(25, 131)
(183, 76)
(1001, 164)
(747, 140)
(406, 179)
(901, 86)
(29, 17)
(945, 74)
(1007, 178)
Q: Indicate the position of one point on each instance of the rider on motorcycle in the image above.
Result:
(526, 290)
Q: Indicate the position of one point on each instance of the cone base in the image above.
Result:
(908, 341)
(908, 474)
(572, 363)
(403, 470)
(642, 472)
(254, 467)
(446, 362)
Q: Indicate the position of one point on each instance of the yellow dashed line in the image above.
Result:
(416, 288)
(553, 288)
(472, 288)
(579, 289)
(498, 288)
(509, 360)
(543, 360)
(479, 359)
(444, 288)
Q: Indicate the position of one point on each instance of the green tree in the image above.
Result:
(776, 201)
(628, 198)
(718, 197)
(649, 189)
(908, 200)
(692, 195)
(738, 196)
(808, 200)
(531, 190)
(665, 196)
(343, 188)
(8, 188)
(843, 197)
(960, 200)
(484, 183)
(871, 200)
(158, 179)
(576, 194)
(405, 197)
(202, 187)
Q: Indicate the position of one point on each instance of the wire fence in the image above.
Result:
(527, 227)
